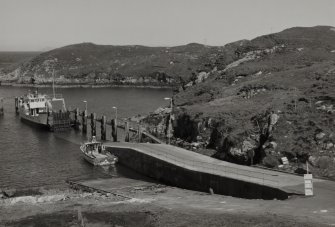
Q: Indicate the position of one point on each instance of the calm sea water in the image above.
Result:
(31, 157)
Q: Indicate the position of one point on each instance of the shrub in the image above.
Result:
(270, 161)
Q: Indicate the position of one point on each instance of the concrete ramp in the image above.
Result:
(186, 169)
(118, 186)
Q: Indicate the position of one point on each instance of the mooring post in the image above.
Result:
(16, 105)
(127, 136)
(1, 107)
(139, 133)
(93, 124)
(76, 118)
(114, 130)
(84, 121)
(103, 128)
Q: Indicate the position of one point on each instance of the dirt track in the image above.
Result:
(159, 206)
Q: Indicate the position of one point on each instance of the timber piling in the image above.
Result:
(1, 107)
(114, 130)
(76, 119)
(93, 124)
(127, 135)
(16, 105)
(84, 122)
(103, 127)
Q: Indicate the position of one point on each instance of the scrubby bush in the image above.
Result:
(270, 161)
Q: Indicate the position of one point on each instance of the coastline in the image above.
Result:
(6, 84)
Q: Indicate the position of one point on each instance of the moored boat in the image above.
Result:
(44, 110)
(94, 152)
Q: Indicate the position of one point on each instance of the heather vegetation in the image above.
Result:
(249, 102)
(87, 63)
(265, 99)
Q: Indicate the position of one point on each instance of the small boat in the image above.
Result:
(94, 152)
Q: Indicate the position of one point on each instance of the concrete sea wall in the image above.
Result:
(174, 175)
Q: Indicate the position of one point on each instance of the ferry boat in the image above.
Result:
(94, 152)
(44, 110)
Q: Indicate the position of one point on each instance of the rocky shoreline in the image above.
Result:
(86, 85)
(204, 136)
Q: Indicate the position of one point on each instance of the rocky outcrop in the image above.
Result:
(264, 101)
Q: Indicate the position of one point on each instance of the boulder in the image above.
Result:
(195, 145)
(270, 145)
(273, 144)
(273, 119)
(9, 192)
(248, 145)
(312, 160)
(329, 145)
(320, 136)
(235, 151)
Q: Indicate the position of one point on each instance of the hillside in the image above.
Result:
(249, 102)
(265, 99)
(87, 63)
(14, 58)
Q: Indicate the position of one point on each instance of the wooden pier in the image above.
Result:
(132, 131)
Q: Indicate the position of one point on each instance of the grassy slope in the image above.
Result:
(88, 61)
(288, 72)
(288, 81)
(8, 58)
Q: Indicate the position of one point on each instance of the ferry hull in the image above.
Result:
(54, 122)
(43, 111)
(38, 121)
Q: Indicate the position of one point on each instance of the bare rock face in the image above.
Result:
(248, 145)
(313, 160)
(329, 145)
(236, 152)
(320, 136)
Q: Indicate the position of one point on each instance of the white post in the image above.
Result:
(85, 105)
(308, 179)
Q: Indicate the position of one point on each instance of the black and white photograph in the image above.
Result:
(167, 113)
